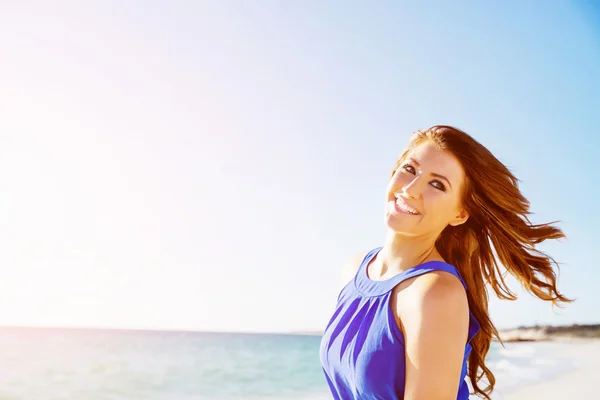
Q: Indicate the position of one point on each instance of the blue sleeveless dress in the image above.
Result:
(362, 348)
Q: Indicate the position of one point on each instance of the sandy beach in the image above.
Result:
(581, 382)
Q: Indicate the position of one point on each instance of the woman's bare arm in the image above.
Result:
(435, 324)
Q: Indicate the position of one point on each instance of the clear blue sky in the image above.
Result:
(210, 166)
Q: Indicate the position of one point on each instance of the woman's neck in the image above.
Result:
(401, 252)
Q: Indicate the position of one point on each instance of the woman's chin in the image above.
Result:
(396, 225)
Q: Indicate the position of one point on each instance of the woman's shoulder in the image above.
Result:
(350, 267)
(432, 295)
(439, 285)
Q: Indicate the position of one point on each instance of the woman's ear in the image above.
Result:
(460, 219)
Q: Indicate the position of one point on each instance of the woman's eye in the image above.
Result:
(440, 186)
(436, 184)
(406, 167)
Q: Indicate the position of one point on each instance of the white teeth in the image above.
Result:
(404, 207)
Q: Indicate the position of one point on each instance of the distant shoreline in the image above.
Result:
(539, 333)
(533, 333)
(159, 330)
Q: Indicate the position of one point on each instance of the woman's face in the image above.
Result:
(424, 194)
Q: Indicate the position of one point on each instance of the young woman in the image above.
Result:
(412, 321)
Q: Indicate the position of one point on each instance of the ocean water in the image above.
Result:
(90, 364)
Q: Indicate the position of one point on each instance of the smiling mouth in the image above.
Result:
(404, 208)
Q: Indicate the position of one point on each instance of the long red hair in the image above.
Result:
(498, 231)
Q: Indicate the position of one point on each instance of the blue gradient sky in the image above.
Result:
(211, 166)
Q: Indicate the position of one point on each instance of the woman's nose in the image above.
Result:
(413, 188)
